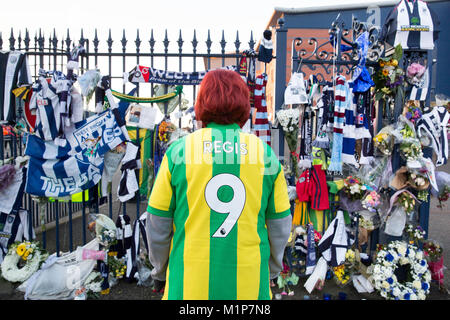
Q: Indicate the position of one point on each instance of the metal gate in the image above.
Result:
(63, 225)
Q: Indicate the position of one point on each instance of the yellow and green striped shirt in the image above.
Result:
(219, 185)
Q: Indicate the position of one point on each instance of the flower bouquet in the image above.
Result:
(286, 279)
(433, 252)
(407, 202)
(354, 188)
(414, 74)
(389, 77)
(288, 119)
(411, 152)
(383, 141)
(443, 196)
(344, 272)
(104, 229)
(116, 266)
(418, 181)
(165, 129)
(415, 234)
(412, 112)
(371, 201)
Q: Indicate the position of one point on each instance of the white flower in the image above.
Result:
(416, 284)
(420, 181)
(385, 284)
(401, 250)
(421, 296)
(403, 261)
(396, 292)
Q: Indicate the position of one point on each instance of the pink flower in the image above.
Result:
(415, 70)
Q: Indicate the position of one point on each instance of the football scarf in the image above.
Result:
(14, 72)
(434, 125)
(340, 106)
(311, 250)
(152, 75)
(261, 128)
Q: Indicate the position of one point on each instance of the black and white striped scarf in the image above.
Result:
(434, 125)
(138, 232)
(124, 241)
(129, 185)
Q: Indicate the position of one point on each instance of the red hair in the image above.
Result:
(223, 98)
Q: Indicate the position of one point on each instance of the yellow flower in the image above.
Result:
(382, 63)
(385, 72)
(106, 291)
(394, 62)
(21, 248)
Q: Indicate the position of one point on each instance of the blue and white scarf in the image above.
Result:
(152, 75)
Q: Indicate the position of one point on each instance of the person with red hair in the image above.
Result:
(219, 213)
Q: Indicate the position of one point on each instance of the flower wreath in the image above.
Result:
(399, 253)
(28, 253)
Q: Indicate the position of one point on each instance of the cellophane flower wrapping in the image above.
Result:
(288, 119)
(343, 273)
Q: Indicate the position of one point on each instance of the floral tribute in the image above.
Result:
(288, 119)
(354, 188)
(400, 272)
(372, 201)
(164, 131)
(390, 77)
(413, 112)
(415, 233)
(343, 273)
(23, 259)
(433, 252)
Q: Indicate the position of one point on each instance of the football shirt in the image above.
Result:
(219, 185)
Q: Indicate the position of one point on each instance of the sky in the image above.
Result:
(173, 15)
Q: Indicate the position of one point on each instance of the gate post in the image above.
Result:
(280, 82)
